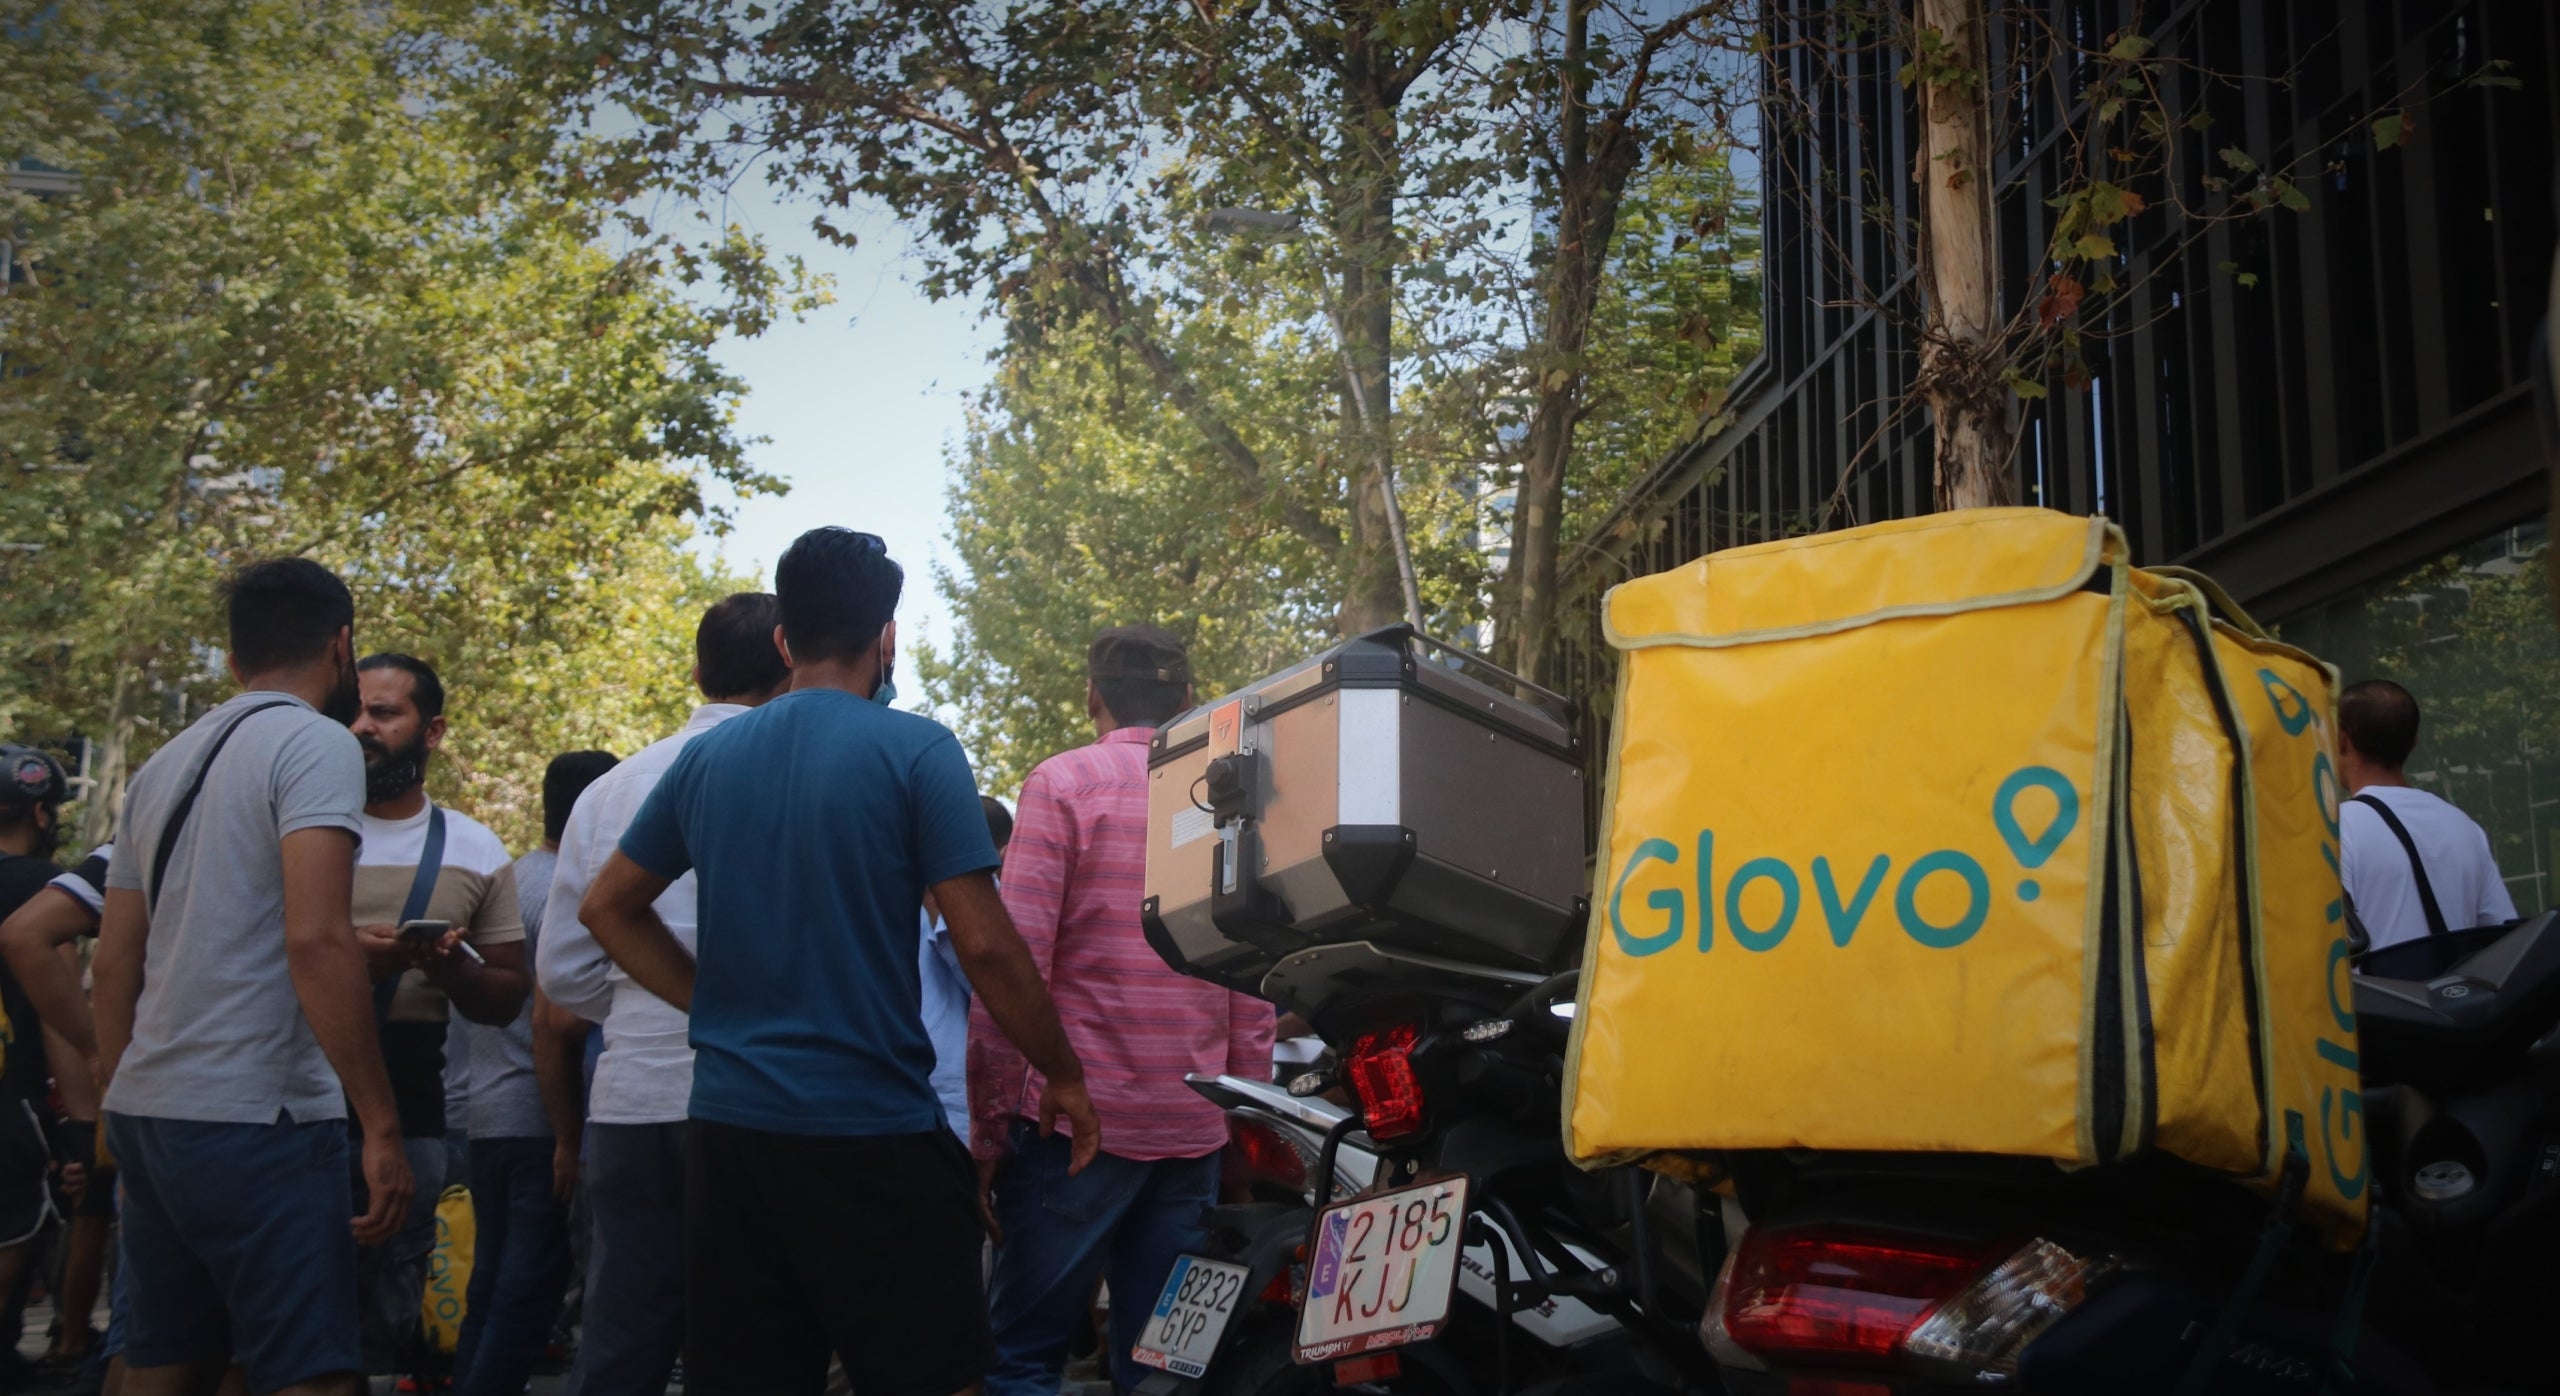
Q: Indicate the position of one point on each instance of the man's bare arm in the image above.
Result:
(1007, 980)
(559, 1043)
(32, 940)
(618, 913)
(115, 974)
(335, 988)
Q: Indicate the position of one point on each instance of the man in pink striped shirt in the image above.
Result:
(1073, 878)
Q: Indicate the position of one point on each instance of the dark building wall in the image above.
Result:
(2363, 407)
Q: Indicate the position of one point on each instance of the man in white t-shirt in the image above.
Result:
(635, 1123)
(2413, 864)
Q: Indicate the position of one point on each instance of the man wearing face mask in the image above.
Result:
(828, 1206)
(235, 1029)
(421, 862)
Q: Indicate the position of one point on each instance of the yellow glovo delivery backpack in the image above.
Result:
(1959, 833)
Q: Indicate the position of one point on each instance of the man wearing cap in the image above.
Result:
(32, 789)
(1073, 878)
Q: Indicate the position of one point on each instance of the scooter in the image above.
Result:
(1894, 1274)
(1558, 1280)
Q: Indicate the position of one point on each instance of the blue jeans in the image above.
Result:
(635, 1263)
(520, 1266)
(1120, 1217)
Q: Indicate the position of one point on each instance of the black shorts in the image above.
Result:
(798, 1246)
(26, 1172)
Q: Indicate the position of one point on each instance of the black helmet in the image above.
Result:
(29, 779)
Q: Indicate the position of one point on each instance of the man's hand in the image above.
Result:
(431, 952)
(75, 1181)
(385, 953)
(564, 1171)
(988, 1168)
(387, 1186)
(1084, 1130)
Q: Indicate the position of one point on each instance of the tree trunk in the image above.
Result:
(111, 769)
(1960, 360)
(1592, 182)
(1364, 228)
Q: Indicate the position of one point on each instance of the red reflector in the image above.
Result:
(1268, 1158)
(1381, 1070)
(1830, 1297)
(1280, 1291)
(1377, 1366)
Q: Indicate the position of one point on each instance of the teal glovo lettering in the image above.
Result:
(1757, 870)
(1666, 900)
(2294, 718)
(2324, 788)
(1906, 899)
(2342, 1131)
(2341, 975)
(2032, 852)
(1843, 918)
(1706, 890)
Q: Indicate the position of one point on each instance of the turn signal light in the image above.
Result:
(1380, 1069)
(1834, 1298)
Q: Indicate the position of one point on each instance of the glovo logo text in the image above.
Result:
(2341, 1134)
(1845, 894)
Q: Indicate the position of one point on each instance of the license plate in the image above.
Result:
(1182, 1334)
(1381, 1270)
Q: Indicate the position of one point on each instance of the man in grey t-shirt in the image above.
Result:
(235, 1017)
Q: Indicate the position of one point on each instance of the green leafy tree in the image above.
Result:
(300, 297)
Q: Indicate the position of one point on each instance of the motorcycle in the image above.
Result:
(1896, 1274)
(1522, 1273)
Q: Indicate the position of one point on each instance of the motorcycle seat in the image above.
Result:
(2490, 998)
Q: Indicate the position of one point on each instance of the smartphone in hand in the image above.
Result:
(421, 934)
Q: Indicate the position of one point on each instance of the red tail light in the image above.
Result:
(1380, 1067)
(1830, 1298)
(1268, 1157)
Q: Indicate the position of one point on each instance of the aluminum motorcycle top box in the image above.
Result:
(1374, 793)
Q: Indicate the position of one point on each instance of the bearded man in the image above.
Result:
(420, 862)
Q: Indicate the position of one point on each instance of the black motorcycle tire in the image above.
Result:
(1261, 1362)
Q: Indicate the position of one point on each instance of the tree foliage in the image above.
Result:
(1427, 191)
(302, 298)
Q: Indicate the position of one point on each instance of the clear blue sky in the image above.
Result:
(861, 401)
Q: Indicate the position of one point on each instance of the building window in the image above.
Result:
(2471, 635)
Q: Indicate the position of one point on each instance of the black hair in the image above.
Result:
(425, 689)
(2380, 720)
(999, 821)
(567, 777)
(734, 648)
(837, 589)
(285, 611)
(1142, 702)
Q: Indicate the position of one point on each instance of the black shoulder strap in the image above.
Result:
(186, 803)
(422, 889)
(2426, 891)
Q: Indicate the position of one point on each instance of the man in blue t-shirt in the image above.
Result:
(828, 1206)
